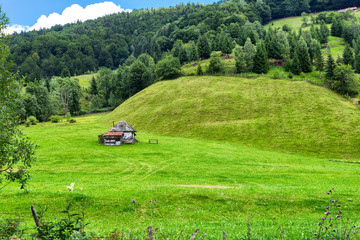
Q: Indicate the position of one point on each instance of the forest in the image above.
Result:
(130, 51)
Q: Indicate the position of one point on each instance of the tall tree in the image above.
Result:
(250, 52)
(318, 58)
(16, 152)
(203, 47)
(261, 61)
(330, 67)
(304, 56)
(93, 89)
(348, 56)
(240, 63)
(324, 33)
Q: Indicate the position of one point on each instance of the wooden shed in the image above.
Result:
(119, 134)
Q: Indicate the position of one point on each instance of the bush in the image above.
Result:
(168, 68)
(216, 64)
(55, 118)
(10, 228)
(32, 120)
(71, 120)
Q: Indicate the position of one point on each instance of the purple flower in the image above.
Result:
(328, 193)
(327, 213)
(340, 211)
(134, 201)
(315, 234)
(332, 188)
(328, 207)
(348, 234)
(320, 223)
(323, 218)
(334, 230)
(339, 205)
(329, 219)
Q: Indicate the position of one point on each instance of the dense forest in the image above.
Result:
(151, 44)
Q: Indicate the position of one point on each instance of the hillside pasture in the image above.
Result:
(209, 184)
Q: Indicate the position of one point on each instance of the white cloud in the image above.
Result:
(77, 13)
(15, 28)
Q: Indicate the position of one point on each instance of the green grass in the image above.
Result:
(273, 189)
(85, 79)
(280, 115)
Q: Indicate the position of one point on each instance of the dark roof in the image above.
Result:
(122, 127)
(113, 134)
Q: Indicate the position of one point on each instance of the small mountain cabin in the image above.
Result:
(121, 133)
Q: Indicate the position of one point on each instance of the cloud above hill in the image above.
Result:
(71, 14)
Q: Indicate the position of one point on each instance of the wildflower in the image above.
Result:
(71, 187)
(329, 219)
(339, 205)
(315, 234)
(328, 193)
(320, 223)
(334, 230)
(323, 218)
(327, 213)
(348, 234)
(134, 201)
(340, 211)
(328, 207)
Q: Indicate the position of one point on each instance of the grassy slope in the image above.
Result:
(279, 115)
(337, 44)
(274, 189)
(84, 80)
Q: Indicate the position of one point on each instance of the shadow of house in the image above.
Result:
(121, 133)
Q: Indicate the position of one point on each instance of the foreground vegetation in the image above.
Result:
(212, 185)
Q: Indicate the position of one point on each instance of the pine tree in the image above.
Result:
(295, 66)
(318, 58)
(324, 33)
(348, 56)
(203, 47)
(330, 67)
(261, 61)
(250, 52)
(303, 56)
(226, 45)
(94, 90)
(357, 63)
(193, 54)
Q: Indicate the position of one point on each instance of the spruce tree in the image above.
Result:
(199, 70)
(261, 61)
(295, 66)
(203, 47)
(318, 58)
(357, 63)
(330, 67)
(303, 56)
(324, 33)
(193, 54)
(348, 56)
(226, 45)
(94, 90)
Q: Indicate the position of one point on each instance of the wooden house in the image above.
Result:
(119, 134)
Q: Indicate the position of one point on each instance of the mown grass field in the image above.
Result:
(202, 174)
(84, 80)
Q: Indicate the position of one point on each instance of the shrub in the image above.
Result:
(216, 64)
(55, 118)
(71, 120)
(32, 120)
(10, 228)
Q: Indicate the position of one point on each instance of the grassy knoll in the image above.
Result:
(85, 79)
(281, 115)
(273, 189)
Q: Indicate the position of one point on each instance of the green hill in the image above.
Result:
(282, 115)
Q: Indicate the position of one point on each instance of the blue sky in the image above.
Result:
(27, 12)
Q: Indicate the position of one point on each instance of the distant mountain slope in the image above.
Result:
(272, 114)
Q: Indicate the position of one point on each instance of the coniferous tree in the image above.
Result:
(199, 70)
(330, 67)
(250, 52)
(303, 56)
(295, 66)
(324, 33)
(336, 28)
(203, 47)
(357, 63)
(93, 90)
(348, 56)
(226, 45)
(318, 58)
(193, 54)
(261, 61)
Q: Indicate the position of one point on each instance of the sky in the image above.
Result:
(27, 15)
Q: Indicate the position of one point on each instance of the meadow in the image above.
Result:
(186, 182)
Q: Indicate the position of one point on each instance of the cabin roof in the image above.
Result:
(113, 134)
(122, 126)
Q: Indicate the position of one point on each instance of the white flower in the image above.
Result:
(71, 187)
